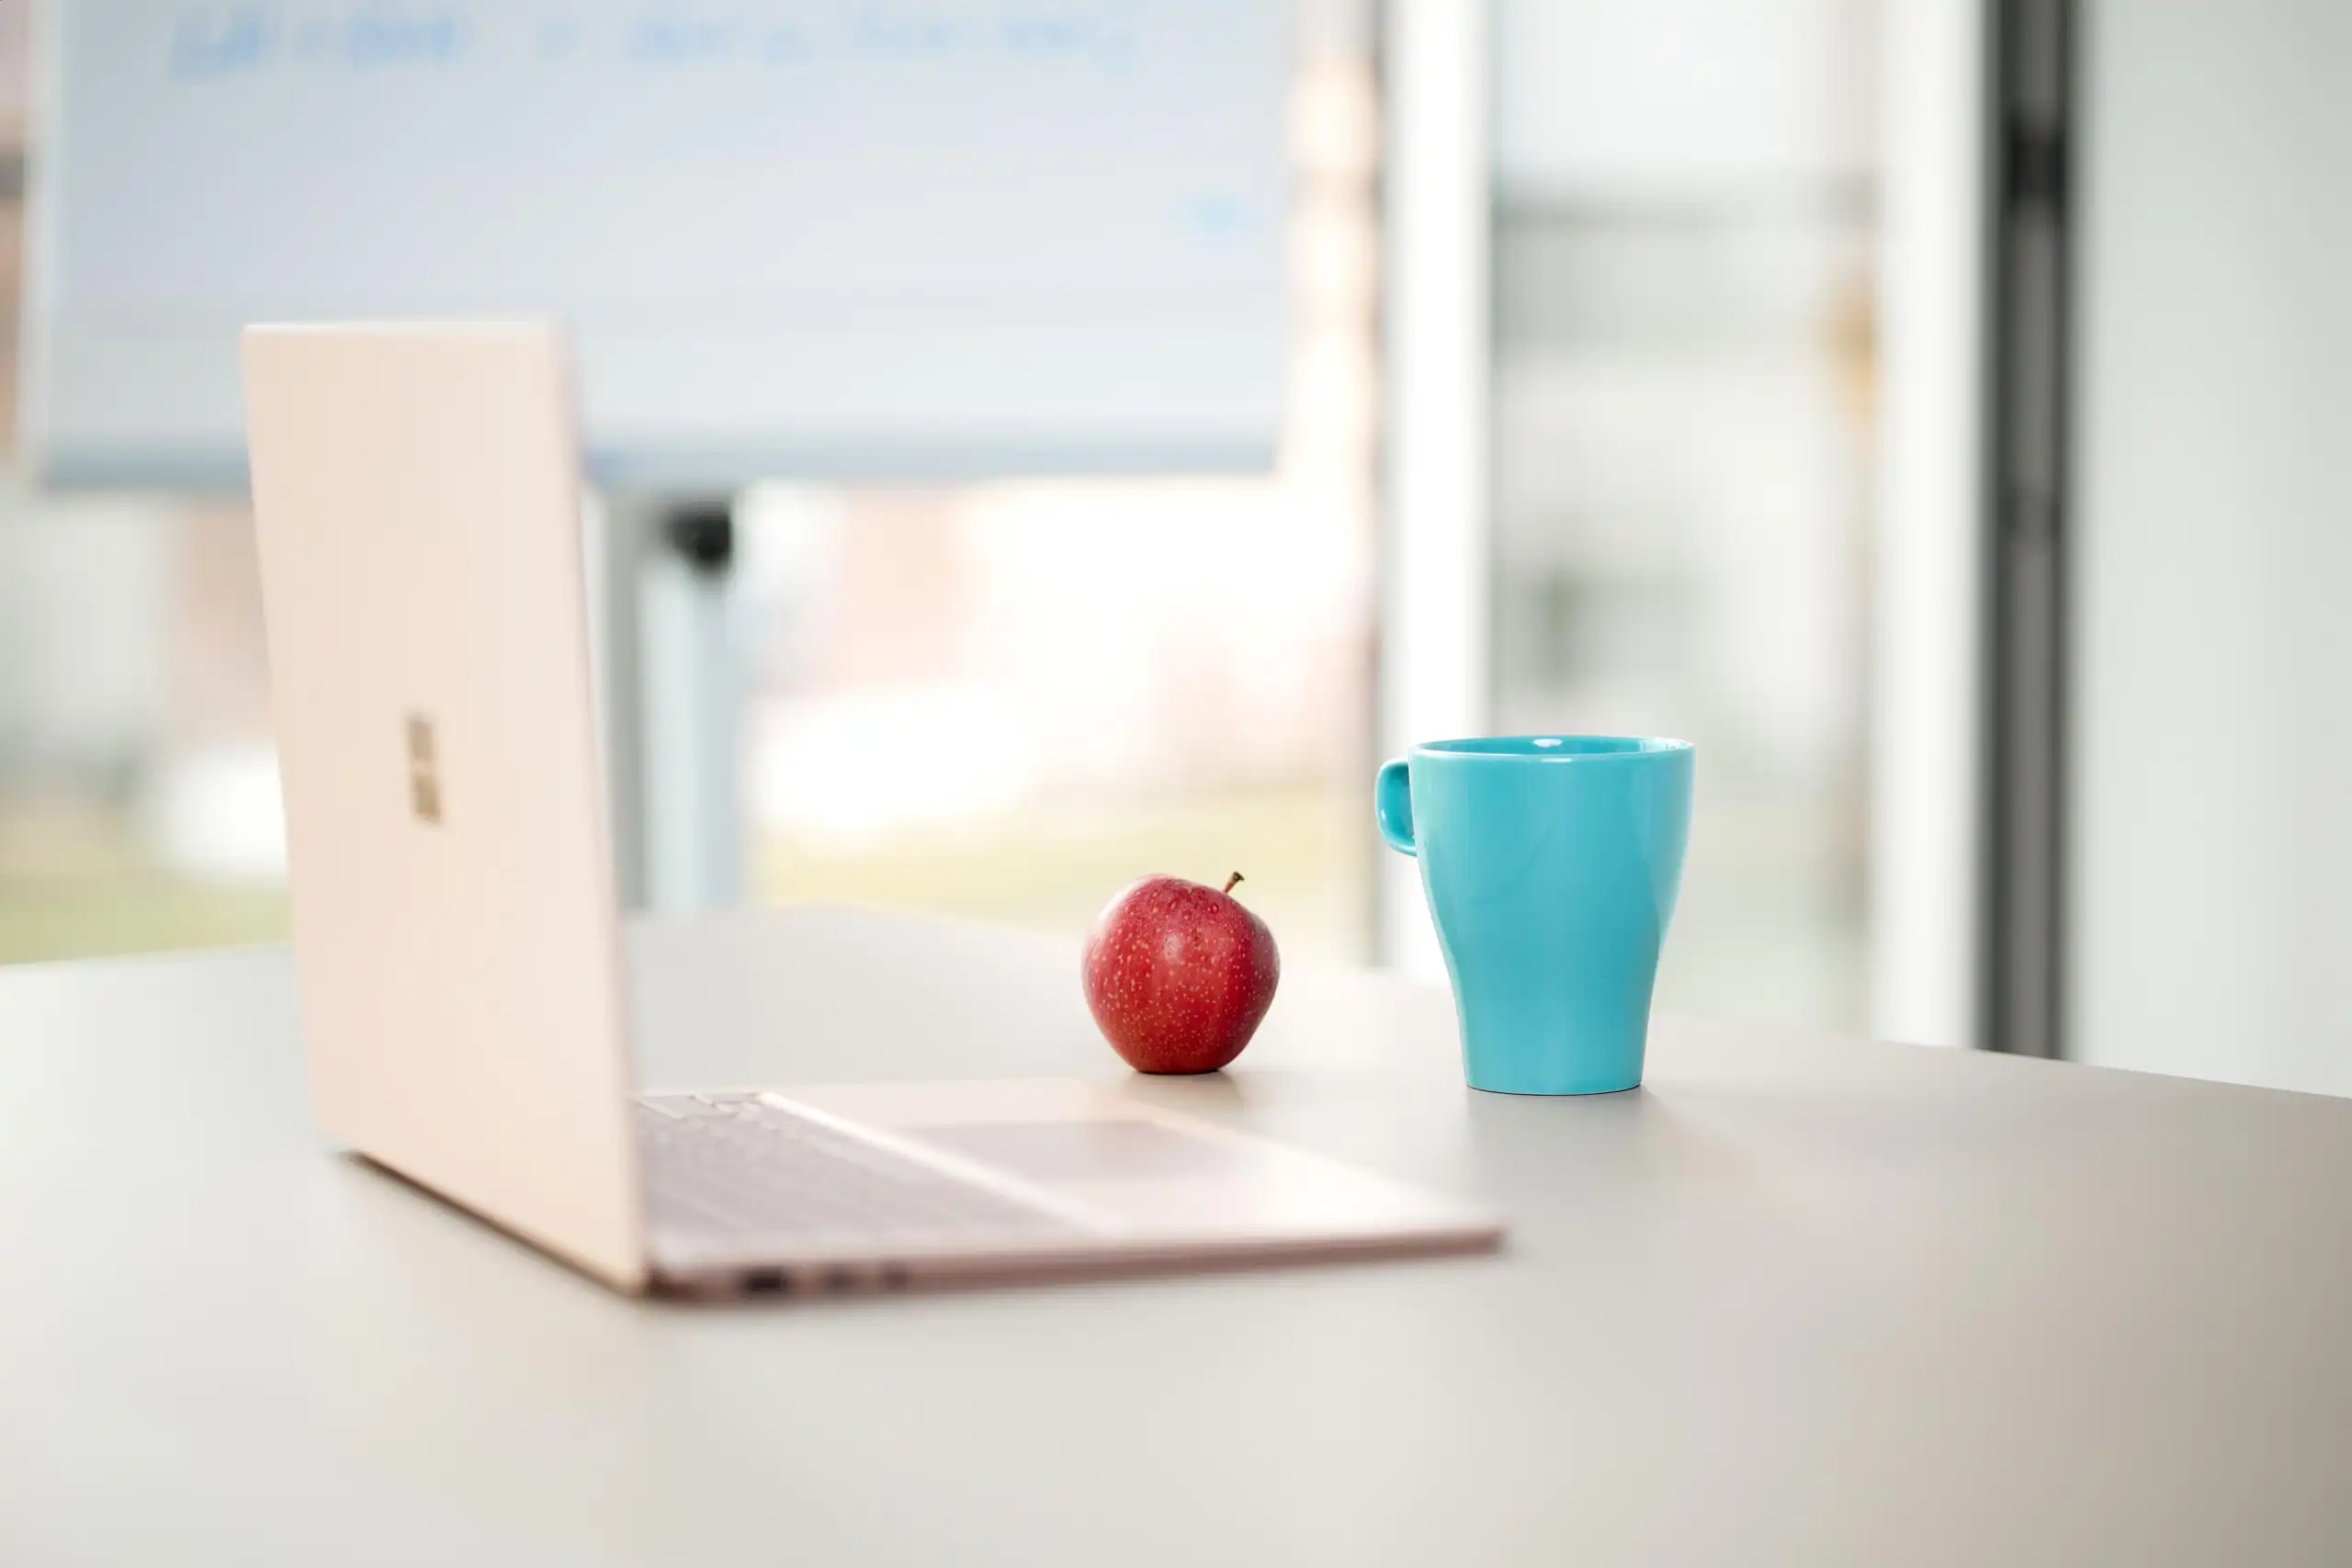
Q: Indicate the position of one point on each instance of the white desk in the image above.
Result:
(1800, 1301)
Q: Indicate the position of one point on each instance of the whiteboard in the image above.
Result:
(951, 237)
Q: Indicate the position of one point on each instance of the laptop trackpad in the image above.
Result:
(1101, 1149)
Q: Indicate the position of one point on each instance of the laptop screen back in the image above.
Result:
(415, 496)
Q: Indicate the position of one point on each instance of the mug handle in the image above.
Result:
(1392, 805)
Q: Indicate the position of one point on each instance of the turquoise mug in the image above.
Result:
(1551, 864)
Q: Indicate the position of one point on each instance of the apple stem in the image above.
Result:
(1231, 880)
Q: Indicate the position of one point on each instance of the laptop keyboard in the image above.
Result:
(738, 1172)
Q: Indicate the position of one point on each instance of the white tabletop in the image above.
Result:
(1799, 1300)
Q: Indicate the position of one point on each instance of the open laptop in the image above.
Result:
(416, 493)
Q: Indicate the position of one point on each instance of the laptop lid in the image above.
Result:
(416, 496)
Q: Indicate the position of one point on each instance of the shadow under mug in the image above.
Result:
(1551, 864)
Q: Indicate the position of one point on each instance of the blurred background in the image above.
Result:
(1665, 328)
(1148, 673)
(1124, 673)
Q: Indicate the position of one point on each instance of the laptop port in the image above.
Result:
(840, 1279)
(766, 1282)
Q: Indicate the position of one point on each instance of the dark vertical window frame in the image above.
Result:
(2031, 86)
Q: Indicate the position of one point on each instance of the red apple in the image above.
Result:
(1178, 975)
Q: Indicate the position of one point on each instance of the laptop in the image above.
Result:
(417, 497)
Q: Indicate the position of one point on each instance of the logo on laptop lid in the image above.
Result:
(424, 772)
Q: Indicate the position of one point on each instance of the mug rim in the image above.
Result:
(1532, 748)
